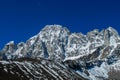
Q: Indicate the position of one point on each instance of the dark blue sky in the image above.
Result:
(21, 19)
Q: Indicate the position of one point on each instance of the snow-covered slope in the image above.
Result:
(36, 69)
(93, 56)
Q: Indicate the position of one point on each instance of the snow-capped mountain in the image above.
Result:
(94, 56)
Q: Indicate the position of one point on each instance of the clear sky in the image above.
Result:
(21, 19)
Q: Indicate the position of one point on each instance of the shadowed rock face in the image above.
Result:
(55, 53)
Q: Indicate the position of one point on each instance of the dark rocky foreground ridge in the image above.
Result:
(36, 69)
(57, 54)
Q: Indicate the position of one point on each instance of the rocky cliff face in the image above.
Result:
(94, 56)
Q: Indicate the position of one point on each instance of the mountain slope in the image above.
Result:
(94, 56)
(35, 69)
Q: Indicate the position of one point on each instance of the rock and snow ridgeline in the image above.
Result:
(92, 56)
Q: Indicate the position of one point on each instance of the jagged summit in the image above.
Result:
(54, 27)
(86, 54)
(57, 41)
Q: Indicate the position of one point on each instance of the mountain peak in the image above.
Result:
(10, 43)
(54, 28)
(112, 31)
(110, 28)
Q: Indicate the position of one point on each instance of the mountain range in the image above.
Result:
(57, 54)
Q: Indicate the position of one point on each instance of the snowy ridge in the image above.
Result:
(91, 55)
